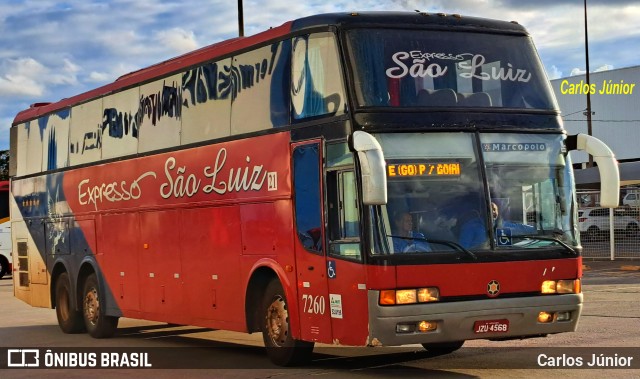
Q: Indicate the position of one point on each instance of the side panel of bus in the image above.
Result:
(174, 235)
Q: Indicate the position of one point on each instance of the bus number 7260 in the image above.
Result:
(313, 304)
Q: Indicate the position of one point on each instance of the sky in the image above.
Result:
(50, 50)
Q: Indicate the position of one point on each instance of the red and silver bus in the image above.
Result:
(366, 179)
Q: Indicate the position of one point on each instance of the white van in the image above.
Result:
(631, 199)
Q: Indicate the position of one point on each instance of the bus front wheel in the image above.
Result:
(281, 348)
(69, 319)
(98, 324)
(442, 348)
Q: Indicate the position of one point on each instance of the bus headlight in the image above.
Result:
(561, 286)
(409, 296)
(569, 286)
(406, 297)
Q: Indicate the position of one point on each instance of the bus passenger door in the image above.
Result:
(312, 291)
(347, 275)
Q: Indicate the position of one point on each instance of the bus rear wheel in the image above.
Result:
(98, 324)
(69, 319)
(442, 348)
(281, 348)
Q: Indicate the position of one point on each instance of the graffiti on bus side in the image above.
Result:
(164, 103)
(214, 81)
(178, 182)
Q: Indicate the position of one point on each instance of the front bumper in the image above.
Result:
(456, 320)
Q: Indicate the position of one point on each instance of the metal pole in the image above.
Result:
(586, 51)
(612, 235)
(241, 19)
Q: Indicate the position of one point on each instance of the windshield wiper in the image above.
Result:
(451, 244)
(568, 248)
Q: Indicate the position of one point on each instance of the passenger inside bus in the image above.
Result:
(405, 239)
(473, 232)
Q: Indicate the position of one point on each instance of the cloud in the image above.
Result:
(177, 39)
(605, 67)
(577, 71)
(21, 76)
(98, 77)
(554, 73)
(67, 74)
(103, 77)
(28, 77)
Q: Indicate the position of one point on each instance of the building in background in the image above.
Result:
(615, 103)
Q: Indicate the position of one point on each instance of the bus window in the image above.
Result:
(120, 129)
(338, 154)
(206, 110)
(411, 68)
(531, 184)
(85, 135)
(316, 80)
(260, 94)
(306, 171)
(344, 216)
(436, 179)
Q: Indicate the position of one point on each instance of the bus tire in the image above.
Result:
(98, 324)
(442, 348)
(281, 348)
(69, 319)
(4, 266)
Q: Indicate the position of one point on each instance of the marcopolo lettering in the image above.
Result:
(517, 147)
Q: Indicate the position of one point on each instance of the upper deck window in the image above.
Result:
(316, 79)
(427, 68)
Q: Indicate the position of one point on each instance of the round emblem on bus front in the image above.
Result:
(493, 288)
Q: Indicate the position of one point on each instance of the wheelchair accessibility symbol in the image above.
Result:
(331, 269)
(503, 237)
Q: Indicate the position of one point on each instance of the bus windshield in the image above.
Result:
(427, 68)
(438, 200)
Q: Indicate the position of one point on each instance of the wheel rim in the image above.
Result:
(277, 322)
(91, 306)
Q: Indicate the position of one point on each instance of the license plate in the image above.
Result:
(491, 326)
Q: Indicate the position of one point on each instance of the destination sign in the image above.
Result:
(423, 169)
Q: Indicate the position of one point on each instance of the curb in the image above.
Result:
(621, 268)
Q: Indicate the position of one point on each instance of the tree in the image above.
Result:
(4, 164)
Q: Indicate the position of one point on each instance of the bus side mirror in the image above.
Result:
(607, 167)
(372, 167)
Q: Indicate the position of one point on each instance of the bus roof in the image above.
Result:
(207, 53)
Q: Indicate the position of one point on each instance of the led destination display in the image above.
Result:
(397, 170)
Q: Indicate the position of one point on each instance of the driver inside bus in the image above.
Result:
(517, 228)
(405, 239)
(473, 232)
